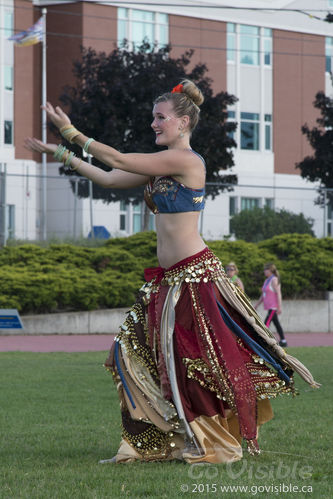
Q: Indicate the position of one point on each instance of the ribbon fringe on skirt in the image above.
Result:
(195, 367)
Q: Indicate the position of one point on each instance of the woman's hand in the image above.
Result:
(56, 115)
(33, 144)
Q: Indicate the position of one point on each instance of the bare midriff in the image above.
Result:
(177, 237)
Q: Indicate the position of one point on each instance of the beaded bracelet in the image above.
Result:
(87, 144)
(65, 156)
(69, 132)
(69, 158)
(59, 152)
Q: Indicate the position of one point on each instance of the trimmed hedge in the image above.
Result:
(262, 223)
(67, 277)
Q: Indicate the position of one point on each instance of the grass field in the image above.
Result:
(59, 416)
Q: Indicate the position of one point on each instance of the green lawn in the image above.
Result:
(59, 415)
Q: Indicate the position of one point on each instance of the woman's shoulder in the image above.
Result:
(199, 156)
(193, 173)
(187, 154)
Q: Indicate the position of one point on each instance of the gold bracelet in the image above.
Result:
(65, 127)
(69, 132)
(64, 156)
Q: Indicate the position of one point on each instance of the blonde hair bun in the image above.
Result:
(186, 98)
(192, 91)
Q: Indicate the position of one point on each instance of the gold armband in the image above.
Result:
(69, 132)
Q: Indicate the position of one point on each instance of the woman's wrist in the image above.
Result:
(69, 132)
(87, 144)
(66, 157)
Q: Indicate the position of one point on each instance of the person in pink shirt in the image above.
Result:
(272, 298)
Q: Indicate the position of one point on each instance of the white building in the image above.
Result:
(274, 61)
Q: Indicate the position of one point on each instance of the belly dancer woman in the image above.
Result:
(194, 364)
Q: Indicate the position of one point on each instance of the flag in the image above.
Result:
(31, 36)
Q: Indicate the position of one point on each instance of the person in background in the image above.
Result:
(232, 273)
(272, 298)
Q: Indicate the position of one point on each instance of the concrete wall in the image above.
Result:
(94, 322)
(306, 316)
(299, 316)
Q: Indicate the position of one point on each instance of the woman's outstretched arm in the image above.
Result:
(167, 162)
(116, 179)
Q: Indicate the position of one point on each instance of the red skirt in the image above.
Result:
(195, 367)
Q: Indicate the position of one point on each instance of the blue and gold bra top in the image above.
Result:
(167, 195)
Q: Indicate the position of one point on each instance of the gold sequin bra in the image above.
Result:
(166, 195)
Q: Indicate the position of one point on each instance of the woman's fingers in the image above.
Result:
(49, 108)
(56, 115)
(30, 144)
(37, 145)
(62, 115)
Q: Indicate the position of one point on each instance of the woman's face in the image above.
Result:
(166, 124)
(231, 271)
(267, 272)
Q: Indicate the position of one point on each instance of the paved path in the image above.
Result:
(97, 342)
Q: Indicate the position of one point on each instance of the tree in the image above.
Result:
(319, 166)
(263, 223)
(112, 102)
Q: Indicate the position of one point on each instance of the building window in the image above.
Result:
(10, 221)
(122, 221)
(250, 203)
(122, 216)
(250, 131)
(231, 118)
(249, 45)
(269, 202)
(8, 21)
(268, 132)
(247, 204)
(231, 42)
(8, 77)
(137, 219)
(137, 25)
(330, 3)
(232, 205)
(8, 132)
(233, 209)
(329, 223)
(267, 43)
(133, 213)
(329, 54)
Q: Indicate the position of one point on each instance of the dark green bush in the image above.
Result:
(305, 264)
(262, 223)
(66, 277)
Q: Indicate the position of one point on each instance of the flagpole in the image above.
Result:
(44, 130)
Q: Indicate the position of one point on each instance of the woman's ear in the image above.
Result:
(185, 121)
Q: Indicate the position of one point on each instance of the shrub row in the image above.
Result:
(67, 277)
(305, 263)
